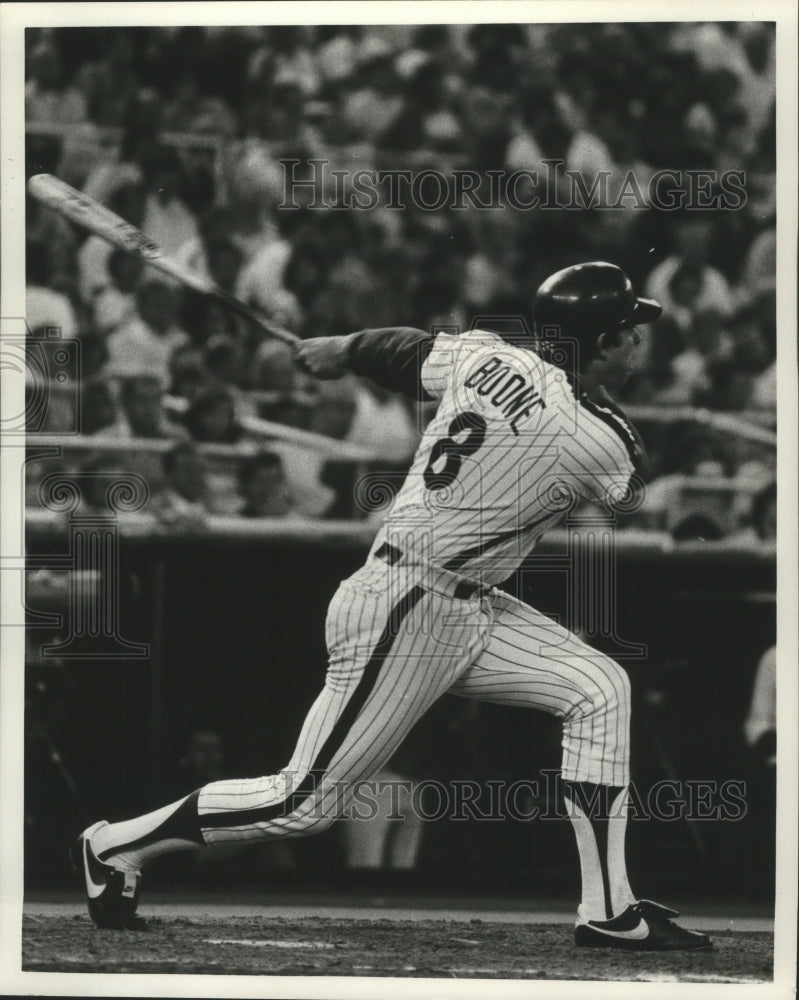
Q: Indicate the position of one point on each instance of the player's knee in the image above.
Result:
(613, 690)
(308, 822)
(621, 681)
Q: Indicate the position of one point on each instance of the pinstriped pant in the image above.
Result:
(397, 641)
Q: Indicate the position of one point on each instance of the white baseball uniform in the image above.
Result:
(512, 442)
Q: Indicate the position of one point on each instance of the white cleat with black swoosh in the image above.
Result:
(112, 895)
(643, 926)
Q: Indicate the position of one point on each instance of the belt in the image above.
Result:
(461, 590)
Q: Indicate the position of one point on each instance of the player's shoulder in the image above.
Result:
(618, 428)
(476, 348)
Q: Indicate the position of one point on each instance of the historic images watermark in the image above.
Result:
(88, 503)
(523, 800)
(317, 184)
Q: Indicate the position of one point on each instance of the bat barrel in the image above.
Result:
(86, 212)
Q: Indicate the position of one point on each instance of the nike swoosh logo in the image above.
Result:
(635, 934)
(93, 889)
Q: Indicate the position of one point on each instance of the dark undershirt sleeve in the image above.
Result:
(392, 357)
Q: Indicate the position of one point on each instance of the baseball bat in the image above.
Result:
(86, 212)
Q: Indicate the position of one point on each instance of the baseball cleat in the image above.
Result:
(643, 926)
(112, 894)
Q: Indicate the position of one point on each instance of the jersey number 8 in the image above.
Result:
(474, 426)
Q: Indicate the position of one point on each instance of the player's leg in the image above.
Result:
(388, 664)
(530, 660)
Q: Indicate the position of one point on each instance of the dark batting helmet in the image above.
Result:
(588, 299)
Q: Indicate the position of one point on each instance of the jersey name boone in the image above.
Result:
(514, 396)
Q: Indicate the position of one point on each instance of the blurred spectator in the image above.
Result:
(346, 299)
(673, 375)
(45, 307)
(115, 305)
(764, 513)
(730, 387)
(284, 393)
(758, 75)
(262, 486)
(524, 151)
(391, 838)
(185, 494)
(140, 130)
(761, 523)
(144, 345)
(426, 120)
(110, 82)
(167, 220)
(486, 117)
(490, 272)
(497, 52)
(225, 361)
(337, 51)
(127, 201)
(261, 281)
(97, 473)
(750, 348)
(48, 97)
(233, 234)
(690, 451)
(286, 53)
(98, 476)
(684, 282)
(383, 423)
(305, 276)
(211, 417)
(59, 417)
(202, 762)
(708, 343)
(759, 274)
(374, 100)
(142, 404)
(93, 355)
(760, 734)
(100, 413)
(49, 229)
(35, 471)
(760, 725)
(189, 376)
(215, 224)
(224, 263)
(764, 391)
(697, 528)
(588, 154)
(350, 411)
(193, 109)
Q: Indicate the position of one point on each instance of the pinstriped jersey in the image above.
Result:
(510, 449)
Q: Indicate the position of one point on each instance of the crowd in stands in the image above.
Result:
(107, 108)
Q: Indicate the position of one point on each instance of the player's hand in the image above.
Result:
(323, 357)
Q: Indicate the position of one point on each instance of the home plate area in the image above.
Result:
(222, 944)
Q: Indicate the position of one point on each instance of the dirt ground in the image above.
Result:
(262, 946)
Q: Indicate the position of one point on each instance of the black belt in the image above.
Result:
(462, 590)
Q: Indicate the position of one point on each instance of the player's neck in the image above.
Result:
(591, 382)
(588, 381)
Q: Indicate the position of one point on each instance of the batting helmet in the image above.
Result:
(589, 299)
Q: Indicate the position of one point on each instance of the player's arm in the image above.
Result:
(391, 356)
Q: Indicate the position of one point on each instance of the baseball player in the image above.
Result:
(519, 435)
